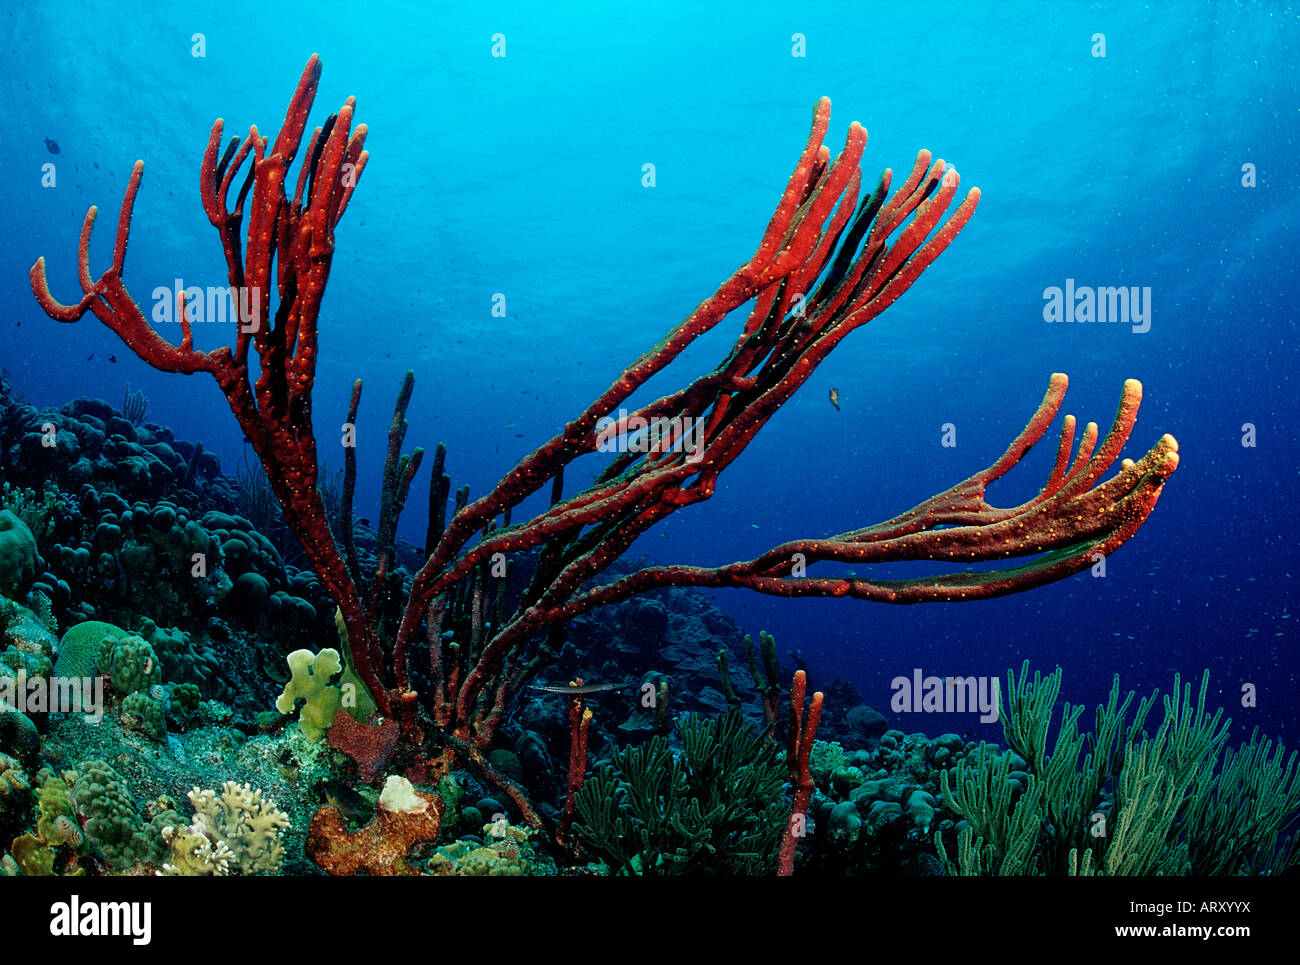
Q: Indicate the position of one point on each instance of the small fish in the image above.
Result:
(835, 398)
(348, 801)
(52, 146)
(584, 689)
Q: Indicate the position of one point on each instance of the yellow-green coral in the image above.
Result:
(311, 683)
(247, 824)
(33, 856)
(193, 854)
(57, 816)
(39, 854)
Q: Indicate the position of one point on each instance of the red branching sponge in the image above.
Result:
(404, 818)
(799, 740)
(287, 248)
(831, 259)
(579, 723)
(371, 746)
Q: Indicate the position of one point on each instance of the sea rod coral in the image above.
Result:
(829, 261)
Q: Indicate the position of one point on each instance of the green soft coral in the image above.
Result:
(714, 807)
(1175, 802)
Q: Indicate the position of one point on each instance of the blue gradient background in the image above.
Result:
(522, 175)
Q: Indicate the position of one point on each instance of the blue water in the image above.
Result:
(522, 175)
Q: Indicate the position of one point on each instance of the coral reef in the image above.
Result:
(877, 807)
(441, 673)
(822, 246)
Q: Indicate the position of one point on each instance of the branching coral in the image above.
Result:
(244, 828)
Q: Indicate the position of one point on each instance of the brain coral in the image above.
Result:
(17, 555)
